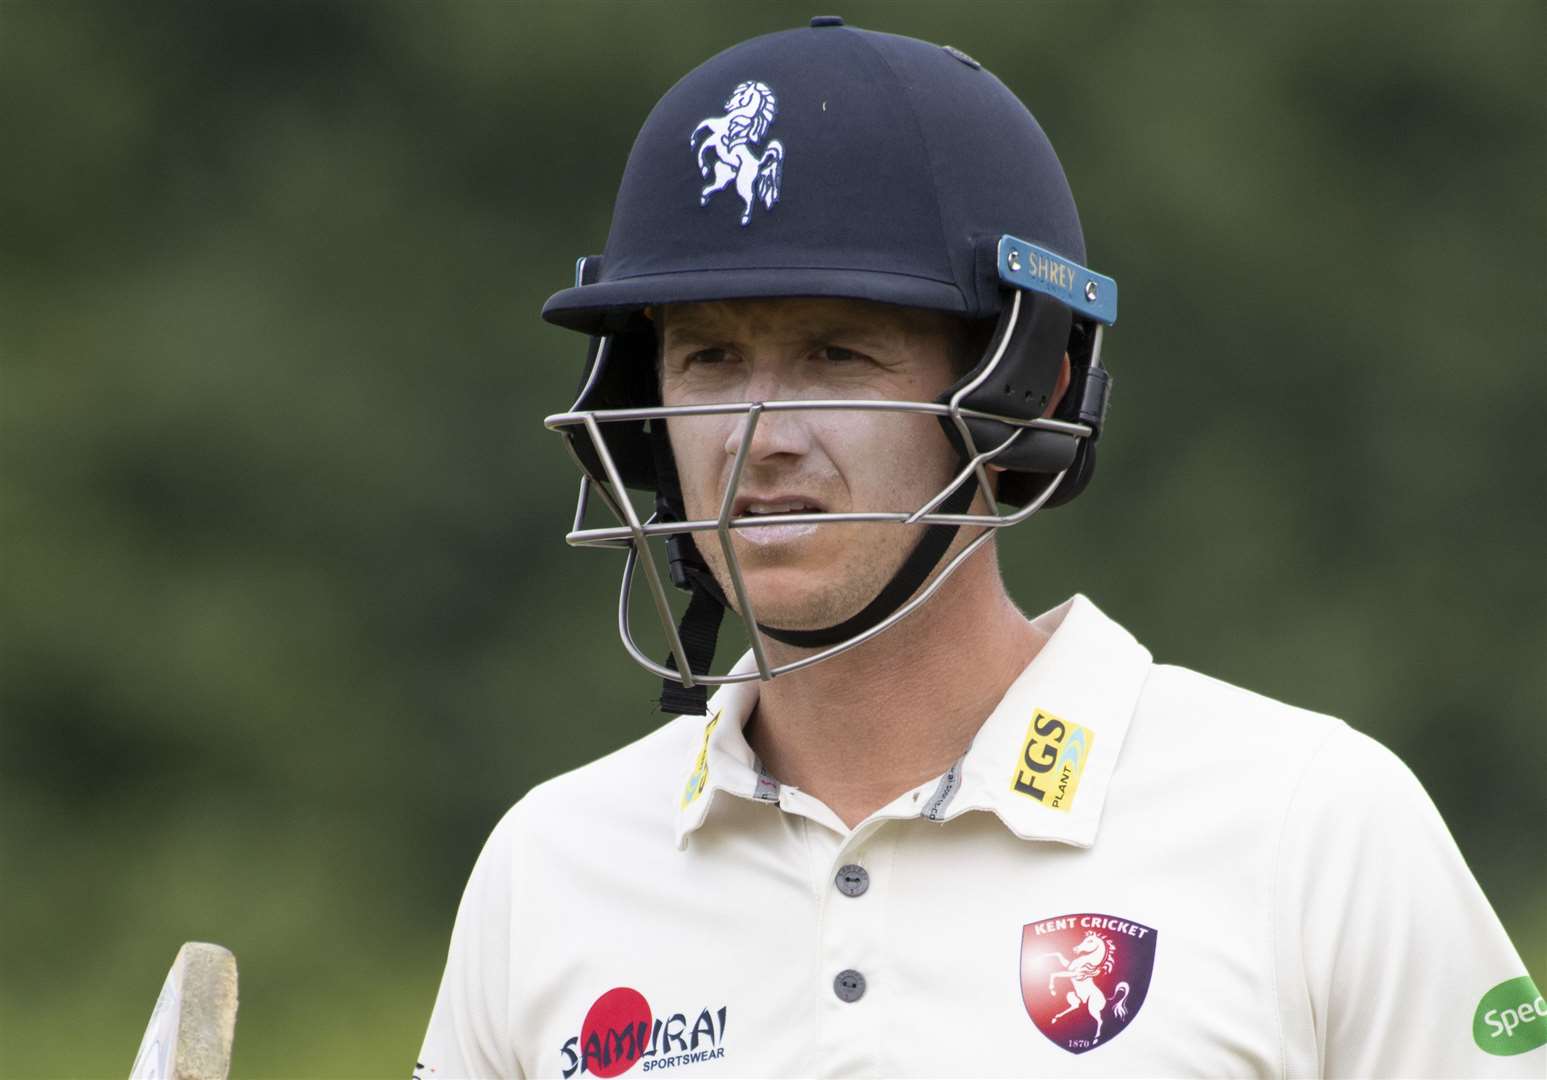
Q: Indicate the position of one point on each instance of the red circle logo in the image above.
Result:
(615, 1032)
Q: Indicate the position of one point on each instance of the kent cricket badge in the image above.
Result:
(1085, 976)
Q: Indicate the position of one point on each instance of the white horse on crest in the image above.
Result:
(748, 112)
(1092, 956)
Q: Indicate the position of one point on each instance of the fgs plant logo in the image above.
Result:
(620, 1030)
(1085, 976)
(1052, 761)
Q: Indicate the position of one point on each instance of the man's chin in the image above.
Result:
(806, 582)
(794, 599)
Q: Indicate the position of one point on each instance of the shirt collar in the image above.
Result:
(1044, 758)
(1041, 762)
(721, 758)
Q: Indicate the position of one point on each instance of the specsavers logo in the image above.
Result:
(620, 1030)
(1511, 1018)
(1052, 761)
(700, 775)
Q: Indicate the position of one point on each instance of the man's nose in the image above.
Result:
(778, 430)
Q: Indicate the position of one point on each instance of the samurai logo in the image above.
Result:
(748, 113)
(1092, 991)
(620, 1031)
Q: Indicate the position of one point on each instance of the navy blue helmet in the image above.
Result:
(831, 161)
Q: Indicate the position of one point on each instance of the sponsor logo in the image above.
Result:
(1085, 976)
(700, 775)
(726, 153)
(1511, 1018)
(620, 1031)
(1052, 761)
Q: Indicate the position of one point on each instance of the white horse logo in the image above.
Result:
(1092, 956)
(748, 112)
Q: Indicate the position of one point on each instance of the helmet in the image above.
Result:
(830, 161)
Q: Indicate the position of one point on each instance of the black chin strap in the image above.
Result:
(700, 626)
(699, 629)
(914, 571)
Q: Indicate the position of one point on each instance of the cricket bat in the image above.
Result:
(191, 1027)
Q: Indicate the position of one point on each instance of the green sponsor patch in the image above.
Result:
(1511, 1018)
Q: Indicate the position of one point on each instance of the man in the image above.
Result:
(843, 333)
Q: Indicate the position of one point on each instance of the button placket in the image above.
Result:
(853, 947)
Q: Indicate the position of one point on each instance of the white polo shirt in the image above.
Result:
(1135, 870)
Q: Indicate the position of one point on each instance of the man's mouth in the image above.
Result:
(772, 505)
(755, 505)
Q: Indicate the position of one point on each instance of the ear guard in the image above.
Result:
(1063, 309)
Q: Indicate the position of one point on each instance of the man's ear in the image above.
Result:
(1059, 390)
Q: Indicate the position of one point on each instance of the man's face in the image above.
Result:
(809, 576)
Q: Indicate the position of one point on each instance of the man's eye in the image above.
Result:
(704, 356)
(837, 354)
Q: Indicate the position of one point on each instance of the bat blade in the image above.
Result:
(191, 1028)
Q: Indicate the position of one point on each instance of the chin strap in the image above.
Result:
(914, 571)
(699, 630)
(700, 625)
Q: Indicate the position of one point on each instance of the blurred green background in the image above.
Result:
(288, 616)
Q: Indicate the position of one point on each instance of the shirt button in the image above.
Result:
(849, 985)
(853, 880)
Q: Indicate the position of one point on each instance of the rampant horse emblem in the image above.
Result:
(1092, 994)
(1093, 956)
(749, 111)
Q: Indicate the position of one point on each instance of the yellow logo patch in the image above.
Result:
(1052, 760)
(700, 776)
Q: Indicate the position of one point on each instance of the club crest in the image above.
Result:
(1085, 976)
(727, 149)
